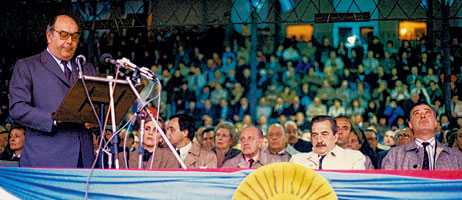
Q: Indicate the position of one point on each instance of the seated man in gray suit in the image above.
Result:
(326, 154)
(277, 138)
(251, 156)
(424, 152)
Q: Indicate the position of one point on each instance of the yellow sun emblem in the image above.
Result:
(284, 181)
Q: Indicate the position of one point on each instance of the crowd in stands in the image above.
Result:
(207, 75)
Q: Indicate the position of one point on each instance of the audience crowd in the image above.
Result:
(371, 86)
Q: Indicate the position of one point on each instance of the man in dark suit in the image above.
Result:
(37, 88)
(294, 108)
(297, 143)
(424, 152)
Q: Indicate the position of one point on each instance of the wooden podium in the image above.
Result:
(76, 108)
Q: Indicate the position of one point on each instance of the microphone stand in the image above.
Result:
(159, 129)
(141, 145)
(135, 78)
(115, 138)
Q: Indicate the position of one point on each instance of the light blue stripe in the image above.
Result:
(133, 184)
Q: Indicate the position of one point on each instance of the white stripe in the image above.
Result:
(6, 195)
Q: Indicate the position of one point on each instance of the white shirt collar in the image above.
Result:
(184, 150)
(59, 61)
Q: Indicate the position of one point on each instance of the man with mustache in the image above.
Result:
(424, 152)
(251, 156)
(326, 154)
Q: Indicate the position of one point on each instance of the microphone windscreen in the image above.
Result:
(104, 59)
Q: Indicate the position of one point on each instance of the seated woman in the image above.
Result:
(355, 142)
(225, 139)
(152, 145)
(16, 143)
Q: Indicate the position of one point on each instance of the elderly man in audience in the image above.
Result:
(180, 132)
(277, 138)
(424, 152)
(251, 156)
(225, 139)
(326, 154)
(404, 136)
(293, 139)
(154, 156)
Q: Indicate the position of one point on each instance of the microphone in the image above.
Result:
(127, 64)
(80, 60)
(107, 59)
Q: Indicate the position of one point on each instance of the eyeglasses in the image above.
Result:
(63, 35)
(407, 136)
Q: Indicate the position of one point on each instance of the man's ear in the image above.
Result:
(259, 143)
(185, 133)
(48, 33)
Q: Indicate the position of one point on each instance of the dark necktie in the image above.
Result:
(320, 161)
(425, 164)
(179, 154)
(146, 155)
(251, 163)
(67, 71)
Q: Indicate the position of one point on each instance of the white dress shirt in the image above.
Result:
(337, 159)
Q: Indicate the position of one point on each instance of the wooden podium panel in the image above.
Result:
(76, 108)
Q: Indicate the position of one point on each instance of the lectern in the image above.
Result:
(76, 107)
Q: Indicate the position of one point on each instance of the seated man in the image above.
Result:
(404, 136)
(424, 152)
(251, 156)
(292, 133)
(180, 132)
(326, 154)
(277, 138)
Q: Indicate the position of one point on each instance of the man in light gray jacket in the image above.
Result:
(424, 152)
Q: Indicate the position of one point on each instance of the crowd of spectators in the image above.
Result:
(207, 74)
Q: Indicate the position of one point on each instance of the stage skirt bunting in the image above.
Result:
(41, 183)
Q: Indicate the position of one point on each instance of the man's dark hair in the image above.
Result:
(343, 117)
(208, 129)
(423, 103)
(186, 122)
(321, 118)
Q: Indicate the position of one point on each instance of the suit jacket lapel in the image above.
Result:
(50, 64)
(190, 159)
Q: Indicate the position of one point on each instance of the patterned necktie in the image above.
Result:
(320, 161)
(425, 164)
(251, 163)
(67, 71)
